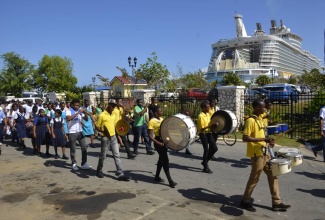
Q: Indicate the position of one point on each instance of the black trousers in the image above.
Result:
(163, 160)
(209, 147)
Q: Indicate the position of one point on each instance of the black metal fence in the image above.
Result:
(299, 112)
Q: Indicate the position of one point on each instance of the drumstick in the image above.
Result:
(281, 134)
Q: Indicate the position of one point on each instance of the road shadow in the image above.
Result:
(315, 192)
(183, 154)
(145, 176)
(242, 163)
(316, 176)
(229, 205)
(64, 164)
(182, 167)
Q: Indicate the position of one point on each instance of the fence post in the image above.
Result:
(291, 113)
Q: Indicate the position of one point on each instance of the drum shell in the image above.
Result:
(231, 121)
(296, 159)
(178, 131)
(280, 166)
(284, 151)
(274, 129)
(283, 127)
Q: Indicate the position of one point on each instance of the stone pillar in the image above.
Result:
(231, 98)
(92, 97)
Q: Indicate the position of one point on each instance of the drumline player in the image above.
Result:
(163, 161)
(203, 127)
(254, 135)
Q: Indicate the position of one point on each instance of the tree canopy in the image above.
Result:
(231, 79)
(314, 79)
(15, 75)
(263, 80)
(54, 73)
(153, 72)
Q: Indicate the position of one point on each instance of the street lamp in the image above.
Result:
(132, 65)
(93, 79)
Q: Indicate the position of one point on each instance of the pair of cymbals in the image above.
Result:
(122, 127)
(221, 123)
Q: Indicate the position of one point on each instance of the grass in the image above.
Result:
(283, 141)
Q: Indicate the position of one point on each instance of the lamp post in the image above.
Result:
(93, 79)
(132, 66)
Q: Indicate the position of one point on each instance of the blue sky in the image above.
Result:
(100, 35)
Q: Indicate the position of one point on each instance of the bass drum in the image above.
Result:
(227, 122)
(178, 131)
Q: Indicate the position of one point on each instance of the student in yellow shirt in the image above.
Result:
(254, 135)
(105, 124)
(163, 161)
(207, 140)
(119, 112)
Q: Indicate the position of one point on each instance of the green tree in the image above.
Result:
(16, 74)
(194, 80)
(105, 81)
(314, 79)
(292, 80)
(54, 73)
(231, 79)
(263, 80)
(153, 72)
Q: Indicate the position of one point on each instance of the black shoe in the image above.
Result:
(39, 154)
(123, 178)
(280, 208)
(65, 157)
(207, 170)
(48, 154)
(159, 180)
(132, 156)
(24, 146)
(56, 156)
(315, 152)
(99, 173)
(248, 206)
(188, 152)
(35, 151)
(135, 152)
(150, 153)
(213, 158)
(172, 184)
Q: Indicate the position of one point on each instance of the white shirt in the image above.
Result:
(74, 126)
(28, 108)
(11, 116)
(322, 115)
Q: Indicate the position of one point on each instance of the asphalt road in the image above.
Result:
(46, 188)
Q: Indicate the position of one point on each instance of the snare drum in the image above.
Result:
(283, 127)
(227, 122)
(295, 158)
(283, 151)
(280, 166)
(178, 131)
(274, 129)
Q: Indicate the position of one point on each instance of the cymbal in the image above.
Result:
(122, 127)
(221, 123)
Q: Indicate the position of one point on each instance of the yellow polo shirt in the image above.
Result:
(265, 120)
(118, 112)
(211, 111)
(106, 119)
(154, 124)
(203, 120)
(254, 127)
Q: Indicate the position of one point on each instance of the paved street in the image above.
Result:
(46, 188)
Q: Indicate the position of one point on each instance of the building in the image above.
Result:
(122, 87)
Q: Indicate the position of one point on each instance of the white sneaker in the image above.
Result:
(75, 167)
(0, 143)
(85, 167)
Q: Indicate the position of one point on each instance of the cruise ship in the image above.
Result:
(277, 54)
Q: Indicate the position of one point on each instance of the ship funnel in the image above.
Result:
(281, 22)
(258, 26)
(240, 28)
(273, 23)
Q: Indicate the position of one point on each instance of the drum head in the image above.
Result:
(175, 133)
(122, 127)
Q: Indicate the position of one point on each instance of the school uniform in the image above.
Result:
(59, 139)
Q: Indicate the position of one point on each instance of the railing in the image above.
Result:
(301, 113)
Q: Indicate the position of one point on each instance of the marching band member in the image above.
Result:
(106, 125)
(254, 135)
(163, 161)
(213, 109)
(209, 144)
(74, 121)
(119, 113)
